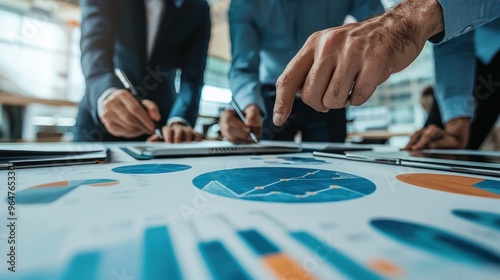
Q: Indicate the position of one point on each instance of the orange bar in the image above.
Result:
(51, 185)
(386, 268)
(285, 267)
(106, 184)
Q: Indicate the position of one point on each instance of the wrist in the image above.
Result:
(457, 124)
(459, 129)
(421, 19)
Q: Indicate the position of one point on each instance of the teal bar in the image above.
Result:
(221, 262)
(159, 260)
(335, 258)
(259, 243)
(83, 266)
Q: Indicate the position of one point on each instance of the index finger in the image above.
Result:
(414, 139)
(289, 83)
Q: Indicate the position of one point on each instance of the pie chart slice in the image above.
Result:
(284, 184)
(436, 241)
(454, 184)
(50, 192)
(487, 219)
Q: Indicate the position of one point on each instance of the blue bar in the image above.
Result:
(83, 266)
(259, 243)
(335, 258)
(159, 260)
(220, 262)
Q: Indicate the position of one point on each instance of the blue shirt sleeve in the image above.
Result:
(454, 62)
(363, 9)
(244, 73)
(462, 16)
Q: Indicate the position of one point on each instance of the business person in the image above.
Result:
(149, 40)
(346, 64)
(467, 91)
(265, 35)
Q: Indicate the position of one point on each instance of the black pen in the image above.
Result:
(128, 85)
(242, 117)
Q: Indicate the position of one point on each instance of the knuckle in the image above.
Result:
(135, 107)
(307, 96)
(313, 39)
(284, 80)
(128, 118)
(120, 93)
(279, 105)
(333, 104)
(358, 99)
(315, 36)
(106, 116)
(113, 129)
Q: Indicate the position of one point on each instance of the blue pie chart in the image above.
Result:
(141, 169)
(285, 184)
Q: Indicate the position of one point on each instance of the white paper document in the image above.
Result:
(290, 216)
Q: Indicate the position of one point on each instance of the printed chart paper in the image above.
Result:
(251, 217)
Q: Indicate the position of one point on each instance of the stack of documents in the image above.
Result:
(37, 155)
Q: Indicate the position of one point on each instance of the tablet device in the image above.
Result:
(208, 148)
(476, 162)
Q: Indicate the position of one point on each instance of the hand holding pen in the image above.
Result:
(155, 115)
(232, 128)
(175, 132)
(124, 116)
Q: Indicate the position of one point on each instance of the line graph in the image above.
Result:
(290, 160)
(284, 184)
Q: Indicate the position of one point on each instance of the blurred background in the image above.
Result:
(41, 81)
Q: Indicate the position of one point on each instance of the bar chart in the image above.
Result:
(158, 254)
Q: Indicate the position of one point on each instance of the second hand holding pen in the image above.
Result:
(128, 85)
(243, 119)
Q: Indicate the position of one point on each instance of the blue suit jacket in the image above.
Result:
(114, 35)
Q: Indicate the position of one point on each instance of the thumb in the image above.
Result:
(153, 111)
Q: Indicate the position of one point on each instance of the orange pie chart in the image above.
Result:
(454, 184)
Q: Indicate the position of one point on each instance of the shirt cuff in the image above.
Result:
(100, 101)
(177, 119)
(461, 17)
(457, 107)
(245, 99)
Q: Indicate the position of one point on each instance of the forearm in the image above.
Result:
(193, 68)
(244, 74)
(416, 20)
(97, 43)
(186, 104)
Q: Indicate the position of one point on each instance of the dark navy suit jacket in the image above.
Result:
(114, 35)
